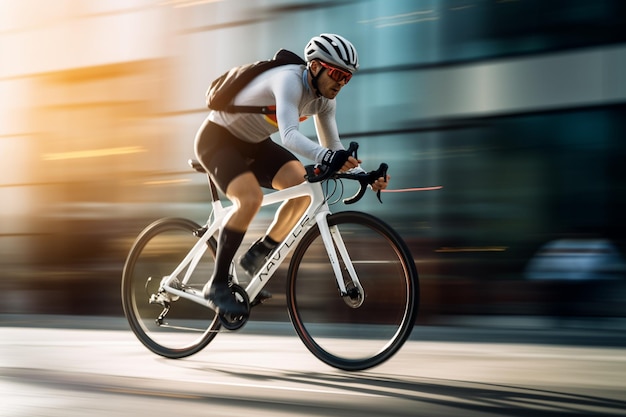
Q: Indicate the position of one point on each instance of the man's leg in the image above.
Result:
(245, 193)
(290, 174)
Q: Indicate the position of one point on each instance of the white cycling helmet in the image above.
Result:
(332, 49)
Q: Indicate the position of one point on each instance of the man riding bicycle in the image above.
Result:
(240, 157)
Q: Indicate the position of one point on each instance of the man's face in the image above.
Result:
(327, 86)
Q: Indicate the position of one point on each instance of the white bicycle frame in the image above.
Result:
(316, 213)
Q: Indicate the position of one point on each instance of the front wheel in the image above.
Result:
(169, 326)
(358, 329)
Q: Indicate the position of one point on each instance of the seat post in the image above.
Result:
(213, 188)
(196, 165)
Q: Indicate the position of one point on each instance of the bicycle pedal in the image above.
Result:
(261, 298)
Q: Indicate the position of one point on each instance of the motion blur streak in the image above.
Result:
(516, 108)
(92, 153)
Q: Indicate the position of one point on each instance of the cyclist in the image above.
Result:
(240, 157)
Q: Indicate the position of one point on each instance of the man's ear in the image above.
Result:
(315, 67)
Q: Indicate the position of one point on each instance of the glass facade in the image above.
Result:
(515, 108)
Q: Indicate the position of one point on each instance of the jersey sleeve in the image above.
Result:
(326, 127)
(288, 93)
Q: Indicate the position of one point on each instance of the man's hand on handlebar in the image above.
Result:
(340, 163)
(351, 163)
(339, 160)
(381, 183)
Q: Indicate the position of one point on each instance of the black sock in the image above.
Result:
(227, 245)
(269, 242)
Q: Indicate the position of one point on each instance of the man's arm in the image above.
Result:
(326, 127)
(288, 93)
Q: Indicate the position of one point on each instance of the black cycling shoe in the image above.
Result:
(255, 257)
(261, 297)
(222, 299)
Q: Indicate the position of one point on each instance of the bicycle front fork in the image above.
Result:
(352, 292)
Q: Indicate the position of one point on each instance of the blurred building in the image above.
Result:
(515, 107)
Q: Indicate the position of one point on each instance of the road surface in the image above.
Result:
(96, 367)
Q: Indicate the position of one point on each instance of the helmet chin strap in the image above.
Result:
(314, 79)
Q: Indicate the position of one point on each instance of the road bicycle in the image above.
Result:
(352, 285)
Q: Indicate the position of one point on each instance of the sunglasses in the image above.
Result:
(336, 74)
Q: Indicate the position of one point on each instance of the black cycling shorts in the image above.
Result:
(225, 156)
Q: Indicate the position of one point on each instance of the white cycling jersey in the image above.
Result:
(287, 89)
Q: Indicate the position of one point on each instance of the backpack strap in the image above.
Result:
(231, 108)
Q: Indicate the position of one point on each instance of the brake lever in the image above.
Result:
(366, 180)
(353, 150)
(381, 172)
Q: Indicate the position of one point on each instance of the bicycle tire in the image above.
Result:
(336, 329)
(155, 253)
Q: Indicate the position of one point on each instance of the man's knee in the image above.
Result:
(245, 191)
(251, 200)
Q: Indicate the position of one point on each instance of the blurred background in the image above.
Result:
(516, 108)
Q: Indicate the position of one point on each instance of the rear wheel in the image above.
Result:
(187, 327)
(361, 328)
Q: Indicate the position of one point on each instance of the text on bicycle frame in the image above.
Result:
(277, 257)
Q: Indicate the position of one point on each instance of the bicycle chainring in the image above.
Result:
(236, 322)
